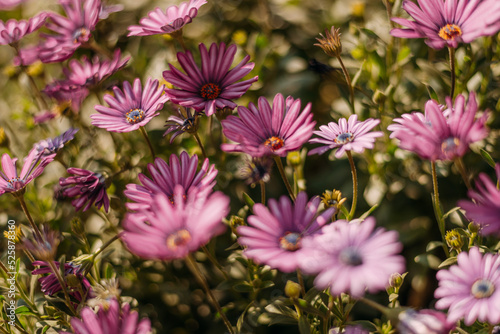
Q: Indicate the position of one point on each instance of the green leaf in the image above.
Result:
(403, 53)
(432, 93)
(279, 307)
(433, 245)
(447, 214)
(22, 309)
(487, 157)
(304, 326)
(448, 262)
(428, 260)
(367, 213)
(243, 287)
(248, 200)
(393, 297)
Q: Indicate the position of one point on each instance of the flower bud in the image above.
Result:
(292, 289)
(454, 240)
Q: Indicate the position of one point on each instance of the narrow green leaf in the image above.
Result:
(487, 157)
(304, 326)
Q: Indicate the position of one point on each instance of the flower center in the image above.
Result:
(351, 257)
(274, 143)
(450, 31)
(449, 145)
(134, 116)
(171, 198)
(290, 241)
(81, 35)
(343, 138)
(15, 183)
(210, 91)
(178, 239)
(482, 288)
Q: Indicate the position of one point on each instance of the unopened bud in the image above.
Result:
(396, 280)
(292, 289)
(454, 240)
(293, 158)
(473, 227)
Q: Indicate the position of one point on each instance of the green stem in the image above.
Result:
(277, 159)
(192, 265)
(109, 242)
(56, 272)
(437, 207)
(461, 168)
(349, 84)
(301, 283)
(35, 228)
(452, 70)
(262, 192)
(354, 185)
(198, 140)
(145, 134)
(375, 305)
(214, 261)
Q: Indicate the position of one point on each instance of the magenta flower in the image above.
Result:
(449, 22)
(69, 32)
(169, 231)
(434, 136)
(9, 4)
(174, 18)
(347, 135)
(34, 164)
(50, 146)
(484, 209)
(114, 319)
(66, 92)
(50, 284)
(214, 85)
(165, 178)
(351, 257)
(131, 108)
(264, 130)
(423, 321)
(12, 31)
(275, 236)
(470, 290)
(88, 188)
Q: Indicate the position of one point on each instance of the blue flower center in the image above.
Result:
(449, 145)
(15, 183)
(343, 138)
(482, 288)
(290, 241)
(81, 35)
(178, 239)
(351, 257)
(134, 116)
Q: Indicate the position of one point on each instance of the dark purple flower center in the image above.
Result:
(210, 91)
(351, 257)
(343, 138)
(178, 239)
(449, 145)
(274, 143)
(81, 35)
(450, 31)
(290, 241)
(482, 288)
(134, 116)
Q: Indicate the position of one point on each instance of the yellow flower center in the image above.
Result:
(450, 31)
(177, 239)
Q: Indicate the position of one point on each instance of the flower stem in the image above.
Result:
(214, 261)
(178, 37)
(192, 265)
(301, 283)
(63, 285)
(375, 305)
(109, 242)
(21, 291)
(283, 176)
(461, 168)
(145, 134)
(35, 228)
(262, 192)
(349, 83)
(437, 207)
(198, 140)
(452, 70)
(354, 185)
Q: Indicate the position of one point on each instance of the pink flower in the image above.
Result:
(470, 290)
(10, 4)
(174, 18)
(484, 209)
(351, 257)
(12, 31)
(50, 146)
(169, 231)
(423, 321)
(67, 92)
(347, 135)
(34, 164)
(165, 178)
(88, 188)
(131, 108)
(214, 85)
(275, 236)
(449, 22)
(434, 136)
(264, 130)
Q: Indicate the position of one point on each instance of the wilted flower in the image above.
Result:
(88, 188)
(13, 30)
(174, 19)
(257, 169)
(67, 94)
(187, 122)
(213, 86)
(104, 293)
(331, 43)
(43, 246)
(266, 130)
(50, 146)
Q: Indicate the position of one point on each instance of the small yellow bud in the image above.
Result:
(293, 158)
(473, 227)
(454, 240)
(292, 289)
(240, 37)
(332, 199)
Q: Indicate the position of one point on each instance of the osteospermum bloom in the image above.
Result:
(439, 135)
(184, 122)
(213, 86)
(88, 188)
(166, 177)
(275, 236)
(449, 22)
(347, 135)
(131, 108)
(53, 145)
(423, 321)
(67, 93)
(169, 231)
(351, 257)
(470, 290)
(484, 209)
(114, 319)
(265, 130)
(173, 19)
(34, 164)
(12, 30)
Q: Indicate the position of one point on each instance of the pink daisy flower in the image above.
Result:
(423, 321)
(353, 257)
(66, 92)
(169, 231)
(449, 22)
(439, 135)
(214, 85)
(275, 236)
(12, 31)
(50, 146)
(174, 18)
(470, 290)
(9, 4)
(131, 108)
(347, 135)
(114, 319)
(165, 178)
(88, 188)
(34, 164)
(266, 130)
(484, 209)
